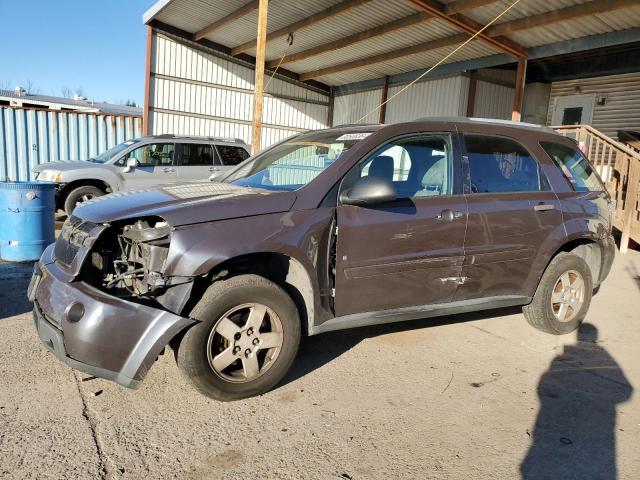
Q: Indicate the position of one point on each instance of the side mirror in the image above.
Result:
(369, 191)
(130, 164)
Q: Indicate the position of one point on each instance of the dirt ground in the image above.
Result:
(465, 397)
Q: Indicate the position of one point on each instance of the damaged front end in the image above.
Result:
(128, 261)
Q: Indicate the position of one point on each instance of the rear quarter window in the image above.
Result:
(231, 155)
(575, 167)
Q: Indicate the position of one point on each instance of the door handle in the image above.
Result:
(168, 170)
(214, 169)
(543, 207)
(447, 215)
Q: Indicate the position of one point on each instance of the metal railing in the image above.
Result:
(619, 166)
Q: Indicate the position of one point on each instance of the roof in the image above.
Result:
(337, 42)
(57, 102)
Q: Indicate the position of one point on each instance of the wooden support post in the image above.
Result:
(471, 98)
(521, 78)
(330, 108)
(147, 87)
(258, 95)
(630, 202)
(383, 100)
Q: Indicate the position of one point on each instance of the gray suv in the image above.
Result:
(142, 163)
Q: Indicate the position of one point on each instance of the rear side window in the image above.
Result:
(575, 166)
(231, 155)
(498, 165)
(195, 154)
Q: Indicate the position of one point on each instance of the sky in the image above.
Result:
(96, 45)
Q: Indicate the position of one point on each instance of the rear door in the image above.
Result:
(408, 252)
(512, 214)
(155, 166)
(195, 161)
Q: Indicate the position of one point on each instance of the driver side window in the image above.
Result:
(418, 166)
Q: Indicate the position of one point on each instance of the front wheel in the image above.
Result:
(79, 195)
(246, 341)
(563, 296)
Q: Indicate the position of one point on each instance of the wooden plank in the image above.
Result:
(630, 203)
(304, 23)
(561, 15)
(384, 57)
(459, 6)
(521, 79)
(258, 95)
(147, 81)
(383, 100)
(240, 12)
(471, 27)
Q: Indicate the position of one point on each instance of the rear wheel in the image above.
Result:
(246, 342)
(563, 296)
(79, 195)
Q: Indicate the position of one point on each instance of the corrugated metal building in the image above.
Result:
(29, 137)
(336, 60)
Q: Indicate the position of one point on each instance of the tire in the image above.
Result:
(545, 314)
(236, 299)
(77, 195)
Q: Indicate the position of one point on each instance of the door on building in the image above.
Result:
(574, 110)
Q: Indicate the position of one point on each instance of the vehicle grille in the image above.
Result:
(74, 232)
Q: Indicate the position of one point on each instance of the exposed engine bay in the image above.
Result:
(129, 261)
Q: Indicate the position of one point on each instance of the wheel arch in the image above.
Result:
(284, 270)
(82, 182)
(584, 247)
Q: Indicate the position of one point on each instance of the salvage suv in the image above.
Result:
(328, 230)
(141, 162)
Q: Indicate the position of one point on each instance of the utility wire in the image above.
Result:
(473, 37)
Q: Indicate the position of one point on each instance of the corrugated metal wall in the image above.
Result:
(442, 97)
(352, 107)
(194, 92)
(621, 109)
(493, 101)
(29, 137)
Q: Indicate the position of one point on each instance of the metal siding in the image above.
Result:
(622, 108)
(30, 137)
(493, 101)
(193, 92)
(352, 107)
(441, 97)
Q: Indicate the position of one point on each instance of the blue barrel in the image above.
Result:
(27, 220)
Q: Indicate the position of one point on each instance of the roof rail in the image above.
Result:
(494, 121)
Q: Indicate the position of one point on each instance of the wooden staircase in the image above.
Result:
(619, 166)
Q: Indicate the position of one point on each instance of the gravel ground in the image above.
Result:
(465, 397)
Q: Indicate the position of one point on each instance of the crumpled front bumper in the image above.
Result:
(94, 332)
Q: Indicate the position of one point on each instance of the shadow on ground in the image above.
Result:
(319, 350)
(575, 431)
(14, 280)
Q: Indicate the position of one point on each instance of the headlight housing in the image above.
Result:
(50, 176)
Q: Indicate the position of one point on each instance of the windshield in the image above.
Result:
(112, 152)
(294, 163)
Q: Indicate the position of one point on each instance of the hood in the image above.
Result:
(64, 166)
(184, 204)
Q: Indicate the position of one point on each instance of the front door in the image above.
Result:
(574, 110)
(408, 252)
(155, 166)
(512, 214)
